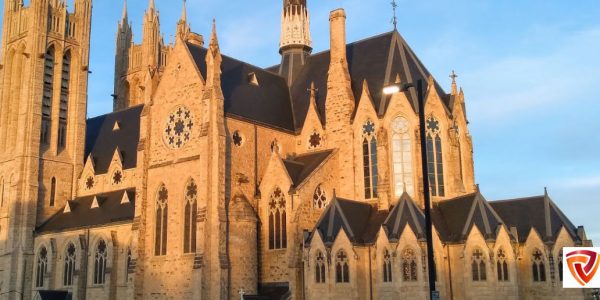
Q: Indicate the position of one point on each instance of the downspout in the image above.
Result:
(449, 272)
(370, 276)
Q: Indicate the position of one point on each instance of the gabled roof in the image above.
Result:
(454, 218)
(404, 213)
(101, 140)
(267, 103)
(360, 221)
(378, 60)
(301, 167)
(539, 213)
(110, 210)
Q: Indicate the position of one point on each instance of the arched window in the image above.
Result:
(52, 191)
(64, 101)
(387, 266)
(162, 210)
(369, 147)
(42, 267)
(537, 266)
(402, 157)
(69, 265)
(502, 266)
(435, 164)
(100, 263)
(409, 265)
(277, 221)
(191, 213)
(560, 265)
(342, 267)
(47, 96)
(320, 268)
(319, 198)
(478, 266)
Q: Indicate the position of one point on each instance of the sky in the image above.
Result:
(530, 71)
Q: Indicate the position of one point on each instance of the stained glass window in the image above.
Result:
(162, 210)
(100, 262)
(190, 215)
(277, 220)
(502, 266)
(369, 147)
(478, 268)
(319, 198)
(69, 271)
(387, 266)
(409, 265)
(320, 267)
(435, 164)
(42, 267)
(342, 267)
(538, 267)
(402, 157)
(178, 129)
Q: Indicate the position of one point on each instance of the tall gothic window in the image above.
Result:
(277, 221)
(162, 210)
(320, 267)
(100, 263)
(64, 100)
(478, 266)
(342, 267)
(369, 147)
(52, 191)
(319, 198)
(537, 266)
(128, 265)
(409, 265)
(560, 266)
(47, 96)
(41, 268)
(502, 266)
(435, 164)
(191, 214)
(69, 265)
(387, 266)
(402, 157)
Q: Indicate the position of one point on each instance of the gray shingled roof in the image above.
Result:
(82, 214)
(101, 140)
(539, 213)
(404, 213)
(301, 167)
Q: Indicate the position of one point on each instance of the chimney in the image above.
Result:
(337, 22)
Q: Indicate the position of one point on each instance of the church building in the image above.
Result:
(217, 179)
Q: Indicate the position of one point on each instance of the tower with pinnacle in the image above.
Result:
(295, 44)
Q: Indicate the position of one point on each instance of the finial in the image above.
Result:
(477, 188)
(334, 195)
(394, 19)
(546, 191)
(454, 87)
(184, 13)
(151, 5)
(213, 37)
(313, 90)
(124, 17)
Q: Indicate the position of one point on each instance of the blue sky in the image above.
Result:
(530, 71)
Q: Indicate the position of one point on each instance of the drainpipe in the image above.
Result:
(370, 276)
(449, 272)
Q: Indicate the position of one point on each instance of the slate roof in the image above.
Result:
(101, 140)
(83, 215)
(454, 218)
(268, 103)
(301, 167)
(377, 59)
(360, 221)
(539, 213)
(404, 213)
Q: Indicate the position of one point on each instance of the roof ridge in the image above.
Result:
(515, 199)
(115, 112)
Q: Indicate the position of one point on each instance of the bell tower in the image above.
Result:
(295, 44)
(43, 106)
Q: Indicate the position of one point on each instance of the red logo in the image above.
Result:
(583, 265)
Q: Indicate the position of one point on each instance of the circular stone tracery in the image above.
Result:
(178, 128)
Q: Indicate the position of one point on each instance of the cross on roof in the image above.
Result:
(394, 19)
(453, 76)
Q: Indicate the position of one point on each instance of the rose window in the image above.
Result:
(178, 129)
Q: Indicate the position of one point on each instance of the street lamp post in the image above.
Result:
(418, 85)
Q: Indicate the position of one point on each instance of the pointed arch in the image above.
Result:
(409, 265)
(369, 152)
(100, 262)
(538, 267)
(190, 216)
(502, 265)
(342, 267)
(277, 220)
(319, 198)
(49, 60)
(320, 267)
(70, 259)
(387, 266)
(402, 162)
(64, 100)
(52, 191)
(478, 265)
(162, 210)
(435, 163)
(41, 267)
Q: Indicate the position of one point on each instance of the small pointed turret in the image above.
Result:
(151, 5)
(213, 59)
(454, 89)
(124, 17)
(295, 44)
(183, 28)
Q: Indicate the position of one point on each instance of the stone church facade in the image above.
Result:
(216, 179)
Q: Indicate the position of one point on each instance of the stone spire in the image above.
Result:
(124, 17)
(183, 28)
(151, 5)
(295, 44)
(213, 59)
